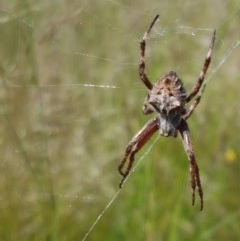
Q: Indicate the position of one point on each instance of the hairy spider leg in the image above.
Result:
(135, 145)
(194, 170)
(143, 75)
(203, 72)
(195, 103)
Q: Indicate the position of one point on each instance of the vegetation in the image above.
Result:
(70, 100)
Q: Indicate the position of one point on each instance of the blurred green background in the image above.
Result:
(70, 101)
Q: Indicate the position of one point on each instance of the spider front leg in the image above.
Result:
(204, 69)
(194, 170)
(142, 73)
(135, 145)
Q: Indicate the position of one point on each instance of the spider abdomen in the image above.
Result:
(170, 89)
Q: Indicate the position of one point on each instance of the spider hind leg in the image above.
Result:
(194, 170)
(135, 145)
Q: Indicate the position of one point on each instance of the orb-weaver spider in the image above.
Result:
(167, 98)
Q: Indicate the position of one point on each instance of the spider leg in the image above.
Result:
(142, 73)
(135, 145)
(204, 69)
(195, 103)
(194, 170)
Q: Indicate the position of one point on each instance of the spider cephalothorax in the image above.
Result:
(167, 98)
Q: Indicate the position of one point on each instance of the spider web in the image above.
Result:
(71, 100)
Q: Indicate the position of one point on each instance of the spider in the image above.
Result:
(167, 98)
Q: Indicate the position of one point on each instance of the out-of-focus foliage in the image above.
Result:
(62, 133)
